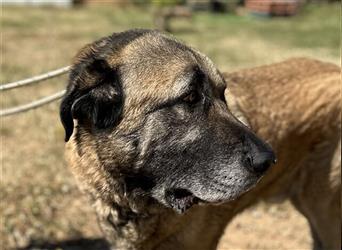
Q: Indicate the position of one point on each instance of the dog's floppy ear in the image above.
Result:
(94, 97)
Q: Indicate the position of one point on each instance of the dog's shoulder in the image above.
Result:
(282, 72)
(299, 93)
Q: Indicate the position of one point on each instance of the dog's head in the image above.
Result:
(153, 111)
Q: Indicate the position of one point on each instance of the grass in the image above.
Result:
(39, 199)
(239, 41)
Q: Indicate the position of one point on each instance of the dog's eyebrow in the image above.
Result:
(191, 77)
(222, 83)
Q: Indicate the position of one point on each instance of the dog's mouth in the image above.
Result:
(181, 199)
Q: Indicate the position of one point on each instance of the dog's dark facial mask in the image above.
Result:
(196, 151)
(160, 123)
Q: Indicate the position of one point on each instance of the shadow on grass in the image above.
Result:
(72, 244)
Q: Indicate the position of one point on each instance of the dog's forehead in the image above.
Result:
(155, 63)
(155, 52)
(158, 62)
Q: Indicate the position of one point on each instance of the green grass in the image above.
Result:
(315, 32)
(317, 27)
(38, 196)
(232, 41)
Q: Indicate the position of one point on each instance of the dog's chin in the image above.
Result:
(180, 199)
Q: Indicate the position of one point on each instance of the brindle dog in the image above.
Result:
(165, 162)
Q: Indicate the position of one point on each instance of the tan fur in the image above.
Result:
(294, 105)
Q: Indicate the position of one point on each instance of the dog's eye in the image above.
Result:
(192, 98)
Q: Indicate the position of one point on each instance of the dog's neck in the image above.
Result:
(125, 228)
(160, 228)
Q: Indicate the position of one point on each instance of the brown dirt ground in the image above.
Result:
(277, 226)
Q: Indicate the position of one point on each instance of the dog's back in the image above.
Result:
(296, 106)
(297, 96)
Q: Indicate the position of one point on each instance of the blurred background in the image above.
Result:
(41, 207)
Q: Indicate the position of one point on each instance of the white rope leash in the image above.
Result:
(35, 79)
(28, 81)
(32, 105)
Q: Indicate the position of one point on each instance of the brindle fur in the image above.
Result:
(144, 156)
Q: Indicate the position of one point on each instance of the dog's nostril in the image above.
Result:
(261, 168)
(261, 162)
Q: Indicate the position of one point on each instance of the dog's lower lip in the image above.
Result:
(201, 202)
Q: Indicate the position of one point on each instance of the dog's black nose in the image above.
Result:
(259, 156)
(261, 161)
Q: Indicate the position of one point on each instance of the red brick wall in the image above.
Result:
(273, 7)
